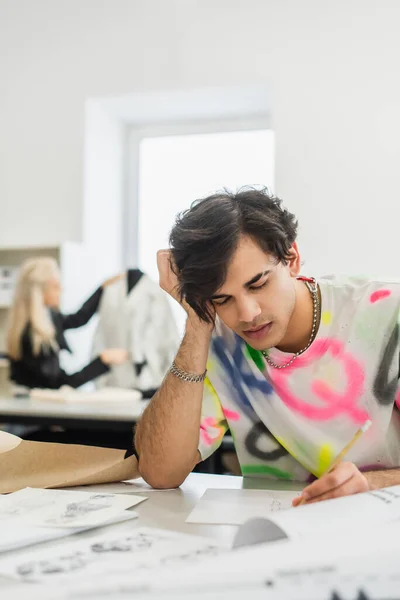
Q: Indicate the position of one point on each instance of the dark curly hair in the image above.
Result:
(205, 237)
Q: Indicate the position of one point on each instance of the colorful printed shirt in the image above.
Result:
(291, 423)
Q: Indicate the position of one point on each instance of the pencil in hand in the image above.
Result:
(345, 450)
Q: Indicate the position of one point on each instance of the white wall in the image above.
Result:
(84, 266)
(103, 191)
(332, 69)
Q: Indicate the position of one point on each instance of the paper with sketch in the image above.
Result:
(64, 508)
(234, 507)
(16, 533)
(46, 465)
(369, 578)
(346, 513)
(350, 527)
(301, 570)
(92, 562)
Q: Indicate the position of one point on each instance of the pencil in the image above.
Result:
(345, 450)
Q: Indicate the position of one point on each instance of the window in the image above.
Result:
(174, 170)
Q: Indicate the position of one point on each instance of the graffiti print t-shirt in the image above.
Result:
(290, 423)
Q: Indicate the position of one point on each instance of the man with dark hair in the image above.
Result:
(294, 367)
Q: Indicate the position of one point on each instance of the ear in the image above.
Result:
(294, 262)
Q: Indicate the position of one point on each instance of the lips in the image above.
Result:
(258, 332)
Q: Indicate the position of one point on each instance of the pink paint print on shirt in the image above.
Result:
(334, 402)
(213, 424)
(379, 295)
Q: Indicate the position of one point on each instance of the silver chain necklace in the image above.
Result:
(313, 287)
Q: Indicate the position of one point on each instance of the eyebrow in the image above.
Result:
(246, 285)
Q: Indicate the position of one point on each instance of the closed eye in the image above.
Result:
(253, 288)
(258, 287)
(221, 301)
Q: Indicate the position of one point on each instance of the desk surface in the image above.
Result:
(168, 509)
(18, 408)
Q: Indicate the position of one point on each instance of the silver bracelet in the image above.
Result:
(185, 376)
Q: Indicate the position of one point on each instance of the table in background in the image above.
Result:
(24, 411)
(118, 418)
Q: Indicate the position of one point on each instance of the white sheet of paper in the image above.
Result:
(346, 513)
(352, 527)
(93, 562)
(17, 534)
(150, 560)
(368, 578)
(64, 508)
(297, 570)
(234, 507)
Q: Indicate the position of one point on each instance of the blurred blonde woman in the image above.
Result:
(36, 330)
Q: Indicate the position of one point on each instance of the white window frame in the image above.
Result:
(134, 135)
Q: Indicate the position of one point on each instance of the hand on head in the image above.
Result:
(169, 282)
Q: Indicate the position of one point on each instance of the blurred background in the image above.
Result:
(117, 114)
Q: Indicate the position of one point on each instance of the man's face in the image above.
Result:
(258, 296)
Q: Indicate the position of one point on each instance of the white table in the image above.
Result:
(24, 411)
(167, 510)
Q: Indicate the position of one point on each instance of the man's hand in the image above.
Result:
(168, 281)
(344, 480)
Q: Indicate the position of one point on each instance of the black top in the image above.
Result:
(133, 276)
(43, 370)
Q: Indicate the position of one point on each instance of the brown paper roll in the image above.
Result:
(47, 465)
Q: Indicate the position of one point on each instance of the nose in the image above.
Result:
(248, 310)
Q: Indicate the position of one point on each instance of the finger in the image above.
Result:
(354, 485)
(164, 269)
(329, 481)
(163, 257)
(163, 254)
(168, 280)
(296, 501)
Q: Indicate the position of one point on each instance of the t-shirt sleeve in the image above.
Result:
(213, 424)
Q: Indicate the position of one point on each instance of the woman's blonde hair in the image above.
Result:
(28, 307)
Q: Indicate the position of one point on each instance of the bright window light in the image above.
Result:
(175, 170)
